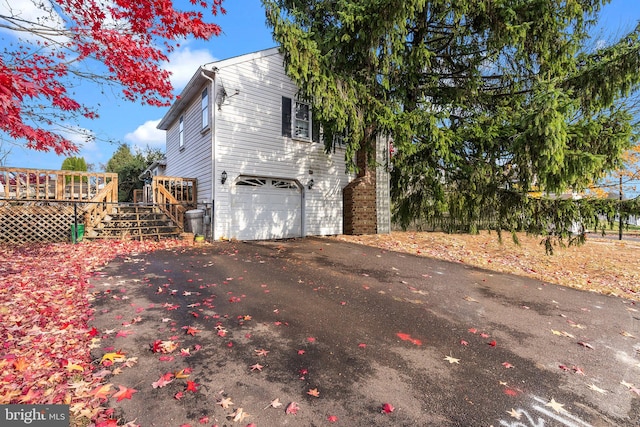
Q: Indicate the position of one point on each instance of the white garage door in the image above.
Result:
(266, 208)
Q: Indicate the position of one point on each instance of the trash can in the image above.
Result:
(77, 235)
(194, 221)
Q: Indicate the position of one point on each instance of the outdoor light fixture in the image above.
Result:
(224, 177)
(310, 184)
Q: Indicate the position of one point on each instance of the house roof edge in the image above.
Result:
(197, 80)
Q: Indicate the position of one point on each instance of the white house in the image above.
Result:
(239, 129)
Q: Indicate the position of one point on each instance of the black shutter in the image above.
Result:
(315, 130)
(286, 116)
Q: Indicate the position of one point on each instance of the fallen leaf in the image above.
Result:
(407, 337)
(163, 381)
(238, 415)
(451, 359)
(313, 392)
(585, 344)
(182, 373)
(102, 392)
(292, 408)
(113, 357)
(123, 393)
(225, 402)
(192, 386)
(597, 389)
(558, 407)
(515, 414)
(387, 408)
(192, 331)
(332, 418)
(256, 367)
(507, 365)
(275, 403)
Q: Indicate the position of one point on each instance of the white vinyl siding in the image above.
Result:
(193, 159)
(250, 142)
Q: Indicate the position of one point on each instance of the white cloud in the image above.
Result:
(147, 135)
(35, 16)
(184, 62)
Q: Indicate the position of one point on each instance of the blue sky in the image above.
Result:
(244, 31)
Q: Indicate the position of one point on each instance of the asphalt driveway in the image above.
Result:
(355, 336)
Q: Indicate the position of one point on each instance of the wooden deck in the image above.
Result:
(40, 205)
(37, 184)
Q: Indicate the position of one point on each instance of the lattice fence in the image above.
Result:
(36, 222)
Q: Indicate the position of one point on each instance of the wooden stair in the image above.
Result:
(137, 222)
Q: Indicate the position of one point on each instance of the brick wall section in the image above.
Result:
(359, 200)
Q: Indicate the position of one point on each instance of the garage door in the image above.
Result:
(266, 208)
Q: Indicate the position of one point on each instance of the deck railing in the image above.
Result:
(174, 196)
(169, 205)
(102, 204)
(183, 190)
(38, 184)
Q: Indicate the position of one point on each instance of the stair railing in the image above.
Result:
(169, 205)
(174, 196)
(102, 204)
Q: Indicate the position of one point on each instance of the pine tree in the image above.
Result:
(486, 100)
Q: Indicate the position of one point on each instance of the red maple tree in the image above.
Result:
(65, 42)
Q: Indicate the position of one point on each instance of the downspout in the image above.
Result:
(213, 145)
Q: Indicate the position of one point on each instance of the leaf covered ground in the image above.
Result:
(46, 305)
(45, 309)
(606, 266)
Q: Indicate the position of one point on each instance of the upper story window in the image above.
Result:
(297, 120)
(205, 108)
(302, 121)
(181, 132)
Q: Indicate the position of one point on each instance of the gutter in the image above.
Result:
(212, 104)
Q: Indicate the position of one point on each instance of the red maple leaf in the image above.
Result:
(407, 337)
(387, 408)
(292, 408)
(163, 381)
(192, 386)
(192, 331)
(332, 418)
(123, 393)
